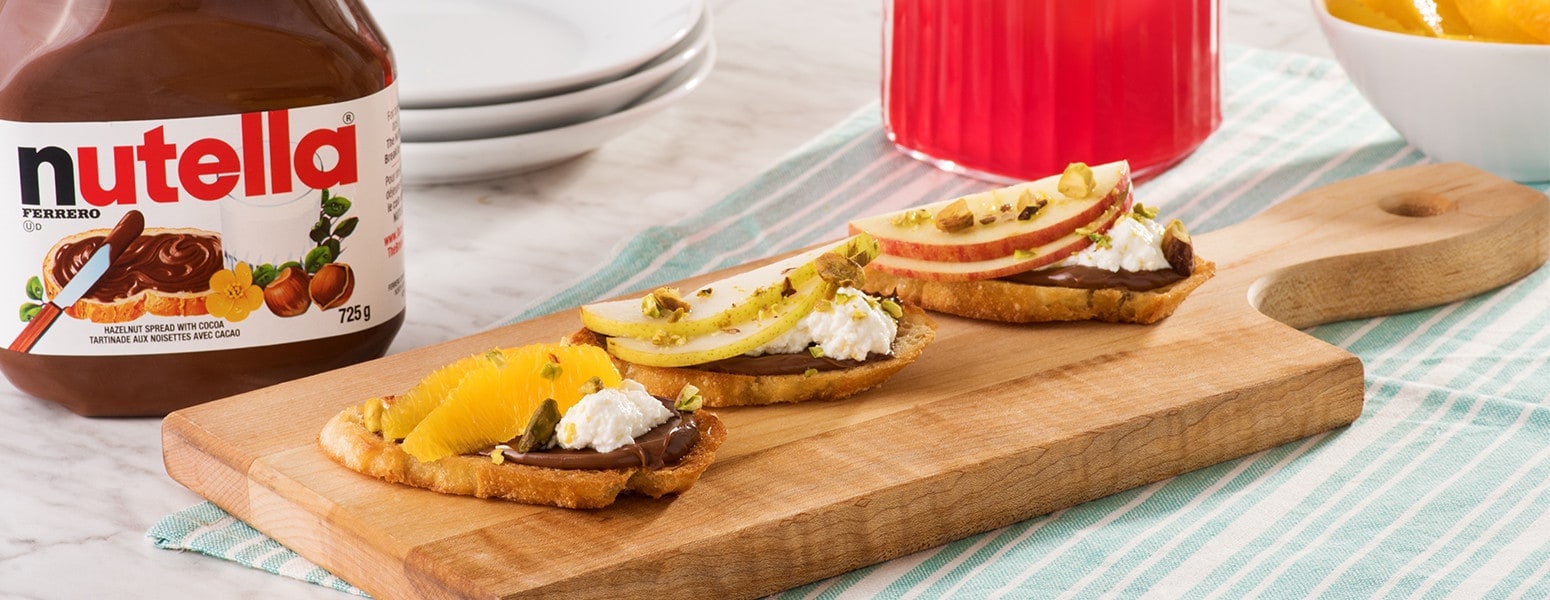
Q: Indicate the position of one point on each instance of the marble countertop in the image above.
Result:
(77, 494)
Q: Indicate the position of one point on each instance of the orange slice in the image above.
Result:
(1416, 16)
(402, 413)
(1490, 21)
(1360, 13)
(1532, 16)
(492, 403)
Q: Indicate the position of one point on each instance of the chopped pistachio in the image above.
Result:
(1141, 211)
(810, 372)
(1021, 254)
(662, 302)
(838, 270)
(1098, 239)
(550, 371)
(592, 385)
(372, 412)
(704, 293)
(1029, 205)
(689, 399)
(956, 216)
(497, 456)
(842, 297)
(496, 356)
(911, 218)
(663, 338)
(816, 351)
(786, 289)
(987, 219)
(1076, 181)
(677, 315)
(858, 315)
(540, 427)
(893, 309)
(1178, 248)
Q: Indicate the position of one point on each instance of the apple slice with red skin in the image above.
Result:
(919, 238)
(1010, 264)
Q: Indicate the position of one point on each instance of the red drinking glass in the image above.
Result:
(1013, 90)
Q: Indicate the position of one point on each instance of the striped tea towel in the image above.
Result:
(1441, 488)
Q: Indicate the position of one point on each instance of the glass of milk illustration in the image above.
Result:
(272, 228)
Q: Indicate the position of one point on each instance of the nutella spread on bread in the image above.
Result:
(161, 262)
(205, 198)
(663, 446)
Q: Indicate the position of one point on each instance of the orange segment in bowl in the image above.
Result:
(1532, 16)
(1490, 20)
(493, 402)
(1415, 17)
(1361, 13)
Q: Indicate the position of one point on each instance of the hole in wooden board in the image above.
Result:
(1417, 204)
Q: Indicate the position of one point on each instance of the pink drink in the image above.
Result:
(1016, 89)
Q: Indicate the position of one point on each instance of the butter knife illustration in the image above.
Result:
(128, 228)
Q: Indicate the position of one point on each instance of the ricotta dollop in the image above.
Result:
(854, 327)
(610, 418)
(1135, 244)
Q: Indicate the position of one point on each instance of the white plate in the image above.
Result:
(473, 160)
(511, 118)
(469, 52)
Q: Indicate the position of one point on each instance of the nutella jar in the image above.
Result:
(203, 197)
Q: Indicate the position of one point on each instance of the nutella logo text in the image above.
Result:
(263, 163)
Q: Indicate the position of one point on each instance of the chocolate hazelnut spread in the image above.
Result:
(664, 446)
(1093, 278)
(270, 123)
(160, 262)
(783, 364)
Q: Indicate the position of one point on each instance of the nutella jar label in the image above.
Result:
(209, 233)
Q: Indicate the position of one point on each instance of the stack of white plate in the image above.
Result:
(490, 88)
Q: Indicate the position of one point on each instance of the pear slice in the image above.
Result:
(664, 351)
(725, 304)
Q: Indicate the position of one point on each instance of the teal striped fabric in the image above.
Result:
(207, 529)
(1440, 489)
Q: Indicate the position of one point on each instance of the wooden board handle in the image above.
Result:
(1383, 243)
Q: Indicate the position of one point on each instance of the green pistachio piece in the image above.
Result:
(689, 399)
(540, 427)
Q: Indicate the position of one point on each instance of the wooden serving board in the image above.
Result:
(994, 424)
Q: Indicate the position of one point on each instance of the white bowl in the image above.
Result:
(1481, 103)
(489, 158)
(511, 118)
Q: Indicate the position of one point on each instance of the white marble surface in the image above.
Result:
(77, 494)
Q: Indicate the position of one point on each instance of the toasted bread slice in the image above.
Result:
(997, 300)
(346, 439)
(916, 330)
(128, 308)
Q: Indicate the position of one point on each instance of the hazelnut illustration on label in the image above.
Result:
(318, 277)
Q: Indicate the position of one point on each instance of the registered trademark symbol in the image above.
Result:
(349, 118)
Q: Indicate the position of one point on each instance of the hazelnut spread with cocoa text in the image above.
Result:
(252, 146)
